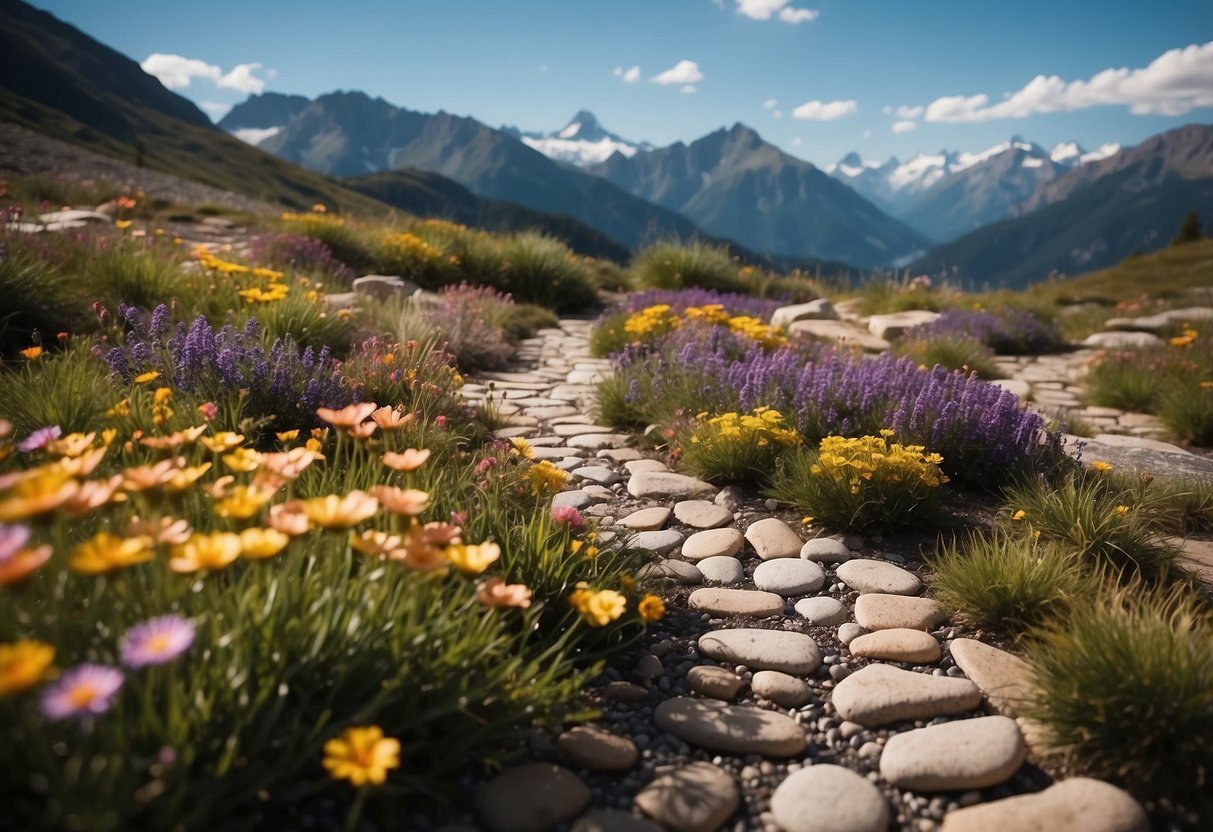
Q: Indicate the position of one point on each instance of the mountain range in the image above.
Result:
(581, 142)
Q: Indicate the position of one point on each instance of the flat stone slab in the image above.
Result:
(878, 576)
(716, 682)
(893, 325)
(702, 514)
(789, 577)
(1135, 453)
(668, 484)
(712, 543)
(845, 333)
(1117, 340)
(880, 694)
(595, 749)
(1018, 386)
(823, 611)
(722, 570)
(1079, 804)
(784, 690)
(576, 429)
(530, 798)
(732, 729)
(687, 574)
(820, 310)
(898, 644)
(877, 611)
(1004, 679)
(773, 538)
(697, 798)
(825, 550)
(598, 474)
(641, 466)
(577, 499)
(794, 653)
(647, 519)
(964, 754)
(595, 441)
(749, 602)
(661, 543)
(829, 798)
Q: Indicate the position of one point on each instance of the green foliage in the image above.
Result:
(954, 352)
(867, 483)
(1009, 583)
(71, 389)
(1125, 691)
(1125, 383)
(60, 189)
(733, 447)
(37, 299)
(349, 243)
(1187, 411)
(673, 265)
(541, 269)
(1190, 232)
(608, 335)
(881, 296)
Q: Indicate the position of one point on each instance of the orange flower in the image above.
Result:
(289, 518)
(93, 494)
(167, 529)
(212, 552)
(363, 430)
(497, 593)
(242, 460)
(83, 465)
(143, 477)
(335, 512)
(407, 501)
(289, 464)
(32, 353)
(22, 564)
(24, 664)
(375, 543)
(420, 554)
(410, 459)
(651, 608)
(390, 418)
(347, 417)
(440, 533)
(173, 440)
(222, 442)
(104, 552)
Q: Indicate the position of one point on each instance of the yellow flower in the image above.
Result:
(104, 552)
(1101, 466)
(222, 441)
(186, 477)
(597, 608)
(335, 512)
(260, 544)
(1121, 511)
(123, 224)
(1019, 515)
(546, 477)
(72, 445)
(212, 552)
(807, 520)
(473, 559)
(242, 460)
(32, 353)
(287, 435)
(651, 608)
(144, 378)
(242, 502)
(24, 664)
(522, 447)
(361, 755)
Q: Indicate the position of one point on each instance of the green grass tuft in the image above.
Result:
(672, 265)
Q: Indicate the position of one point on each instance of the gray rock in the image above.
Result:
(595, 749)
(712, 543)
(898, 644)
(578, 499)
(624, 692)
(1079, 804)
(825, 550)
(687, 574)
(788, 577)
(894, 324)
(696, 798)
(667, 484)
(794, 653)
(823, 611)
(879, 694)
(596, 441)
(722, 570)
(613, 820)
(720, 601)
(647, 519)
(1005, 680)
(773, 538)
(383, 286)
(732, 729)
(819, 310)
(1121, 340)
(702, 514)
(641, 466)
(784, 690)
(849, 631)
(829, 798)
(660, 543)
(1132, 453)
(598, 474)
(876, 611)
(530, 798)
(842, 332)
(878, 576)
(963, 754)
(715, 682)
(1017, 386)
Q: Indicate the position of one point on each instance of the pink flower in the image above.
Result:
(157, 641)
(568, 516)
(85, 690)
(39, 439)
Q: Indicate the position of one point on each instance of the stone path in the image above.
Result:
(794, 684)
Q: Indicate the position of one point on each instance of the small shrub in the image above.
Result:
(736, 447)
(952, 352)
(523, 320)
(1187, 411)
(1125, 691)
(71, 389)
(299, 253)
(671, 265)
(540, 269)
(347, 243)
(1124, 383)
(1006, 331)
(37, 299)
(1008, 583)
(868, 482)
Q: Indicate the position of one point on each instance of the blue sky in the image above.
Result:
(816, 77)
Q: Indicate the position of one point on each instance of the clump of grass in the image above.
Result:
(953, 352)
(349, 244)
(125, 272)
(71, 389)
(736, 447)
(1105, 524)
(57, 190)
(1125, 691)
(541, 269)
(608, 335)
(613, 406)
(884, 295)
(672, 265)
(37, 299)
(1008, 583)
(867, 482)
(1126, 384)
(1187, 411)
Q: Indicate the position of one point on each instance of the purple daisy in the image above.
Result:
(157, 641)
(85, 690)
(39, 439)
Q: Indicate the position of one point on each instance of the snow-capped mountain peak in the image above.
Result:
(582, 142)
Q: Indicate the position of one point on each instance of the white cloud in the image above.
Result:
(904, 126)
(778, 113)
(214, 109)
(177, 72)
(906, 111)
(1174, 83)
(770, 103)
(886, 109)
(797, 142)
(629, 76)
(825, 110)
(779, 9)
(689, 89)
(241, 79)
(683, 72)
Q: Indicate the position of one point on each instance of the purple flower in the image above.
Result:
(85, 690)
(39, 439)
(12, 540)
(157, 641)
